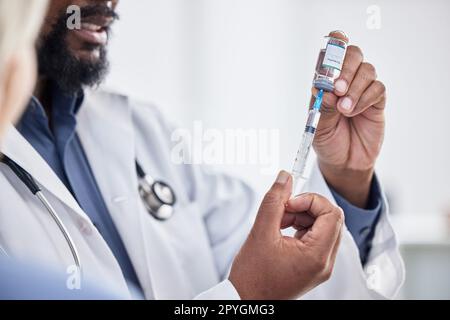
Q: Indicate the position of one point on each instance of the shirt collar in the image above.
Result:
(61, 103)
(63, 107)
(65, 104)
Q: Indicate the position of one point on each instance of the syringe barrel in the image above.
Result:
(313, 121)
(302, 155)
(305, 146)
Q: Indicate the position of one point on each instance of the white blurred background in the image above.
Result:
(249, 64)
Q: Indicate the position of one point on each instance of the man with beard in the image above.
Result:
(82, 146)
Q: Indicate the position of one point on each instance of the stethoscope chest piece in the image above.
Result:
(158, 197)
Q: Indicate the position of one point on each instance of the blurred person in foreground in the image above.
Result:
(20, 22)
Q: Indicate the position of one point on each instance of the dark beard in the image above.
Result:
(60, 66)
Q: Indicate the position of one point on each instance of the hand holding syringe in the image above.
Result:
(328, 69)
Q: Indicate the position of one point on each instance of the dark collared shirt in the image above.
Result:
(362, 222)
(61, 148)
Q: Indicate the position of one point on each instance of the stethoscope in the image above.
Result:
(158, 197)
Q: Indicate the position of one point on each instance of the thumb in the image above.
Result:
(271, 211)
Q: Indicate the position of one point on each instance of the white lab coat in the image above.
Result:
(185, 257)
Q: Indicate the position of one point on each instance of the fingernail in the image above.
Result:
(346, 104)
(283, 177)
(341, 86)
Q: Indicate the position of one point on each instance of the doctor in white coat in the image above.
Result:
(189, 255)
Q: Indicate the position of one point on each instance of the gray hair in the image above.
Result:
(20, 22)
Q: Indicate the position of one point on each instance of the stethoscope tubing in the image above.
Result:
(63, 229)
(34, 188)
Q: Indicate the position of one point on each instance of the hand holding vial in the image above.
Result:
(350, 133)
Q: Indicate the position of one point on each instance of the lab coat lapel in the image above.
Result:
(107, 138)
(106, 131)
(17, 148)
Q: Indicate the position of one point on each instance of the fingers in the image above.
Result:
(315, 204)
(271, 211)
(363, 79)
(353, 59)
(323, 237)
(338, 34)
(356, 89)
(325, 231)
(335, 248)
(298, 220)
(329, 100)
(374, 95)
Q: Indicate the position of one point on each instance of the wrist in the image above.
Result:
(240, 289)
(353, 185)
(248, 288)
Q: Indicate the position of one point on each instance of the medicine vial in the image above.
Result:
(330, 61)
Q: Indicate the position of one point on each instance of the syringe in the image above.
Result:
(298, 171)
